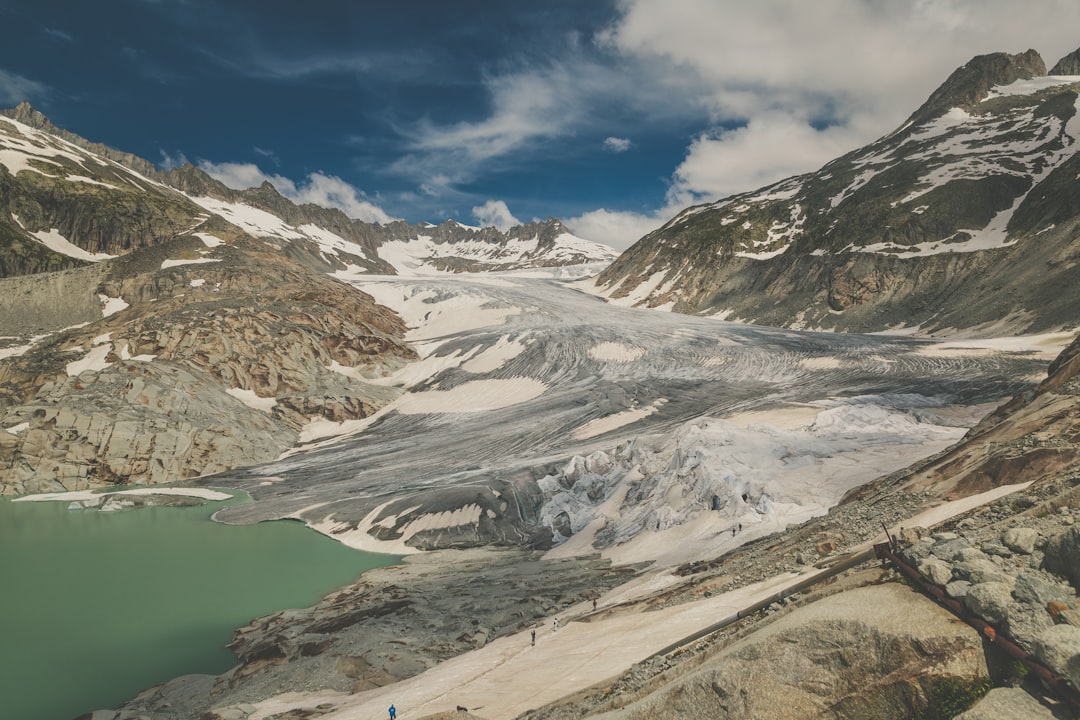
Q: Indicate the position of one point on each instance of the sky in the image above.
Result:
(612, 115)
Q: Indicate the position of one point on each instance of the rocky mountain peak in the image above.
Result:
(970, 84)
(25, 113)
(190, 179)
(1068, 65)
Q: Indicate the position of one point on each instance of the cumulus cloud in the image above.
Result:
(496, 214)
(618, 229)
(617, 144)
(770, 147)
(779, 71)
(317, 188)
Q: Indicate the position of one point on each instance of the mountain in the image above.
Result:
(160, 325)
(123, 202)
(966, 217)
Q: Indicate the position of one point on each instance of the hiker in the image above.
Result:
(534, 636)
(594, 604)
(393, 712)
(555, 625)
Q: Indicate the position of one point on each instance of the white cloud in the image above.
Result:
(496, 214)
(620, 230)
(617, 144)
(15, 88)
(770, 147)
(773, 66)
(170, 162)
(317, 188)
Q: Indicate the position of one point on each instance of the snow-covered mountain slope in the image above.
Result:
(65, 201)
(453, 247)
(964, 216)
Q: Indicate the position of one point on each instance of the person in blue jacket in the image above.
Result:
(393, 712)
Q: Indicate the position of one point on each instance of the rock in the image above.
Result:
(995, 550)
(909, 536)
(1062, 555)
(937, 571)
(1056, 647)
(980, 571)
(1036, 587)
(826, 659)
(957, 588)
(1021, 540)
(1068, 65)
(1007, 704)
(947, 545)
(990, 601)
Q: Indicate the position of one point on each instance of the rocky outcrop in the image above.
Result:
(837, 657)
(1006, 588)
(970, 84)
(1008, 704)
(1068, 65)
(1033, 436)
(212, 365)
(33, 305)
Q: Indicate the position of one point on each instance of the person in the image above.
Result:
(534, 636)
(594, 604)
(555, 625)
(393, 712)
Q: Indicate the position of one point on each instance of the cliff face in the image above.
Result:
(216, 362)
(172, 343)
(966, 217)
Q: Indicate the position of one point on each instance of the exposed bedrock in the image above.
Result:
(870, 652)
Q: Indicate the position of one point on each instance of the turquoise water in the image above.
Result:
(95, 607)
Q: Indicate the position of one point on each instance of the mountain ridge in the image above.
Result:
(551, 249)
(899, 233)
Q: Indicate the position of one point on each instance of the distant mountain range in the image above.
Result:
(966, 217)
(65, 201)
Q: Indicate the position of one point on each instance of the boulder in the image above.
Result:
(1007, 704)
(1021, 540)
(1062, 555)
(937, 571)
(1058, 647)
(990, 601)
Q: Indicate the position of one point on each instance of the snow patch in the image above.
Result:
(249, 398)
(56, 242)
(197, 261)
(93, 361)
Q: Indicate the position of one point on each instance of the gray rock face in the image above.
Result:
(990, 601)
(1062, 555)
(820, 661)
(143, 396)
(1021, 540)
(936, 570)
(1058, 647)
(1068, 65)
(1007, 704)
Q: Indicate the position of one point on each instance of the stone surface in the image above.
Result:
(1021, 540)
(1008, 704)
(990, 601)
(836, 656)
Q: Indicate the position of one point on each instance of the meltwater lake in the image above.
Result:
(96, 606)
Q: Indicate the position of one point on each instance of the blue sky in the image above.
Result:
(610, 114)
